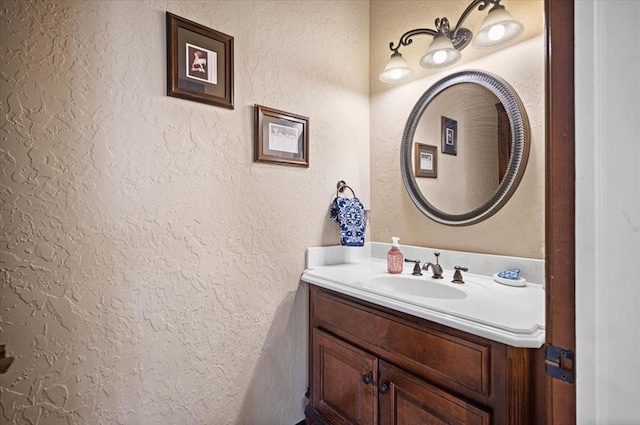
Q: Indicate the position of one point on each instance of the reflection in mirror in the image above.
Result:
(471, 177)
(481, 132)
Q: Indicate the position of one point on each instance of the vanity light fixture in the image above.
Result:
(497, 28)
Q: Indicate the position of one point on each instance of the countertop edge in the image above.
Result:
(534, 339)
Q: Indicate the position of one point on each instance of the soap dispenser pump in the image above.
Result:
(394, 257)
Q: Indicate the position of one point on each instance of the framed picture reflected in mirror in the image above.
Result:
(449, 136)
(426, 160)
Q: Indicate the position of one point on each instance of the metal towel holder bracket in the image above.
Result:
(341, 186)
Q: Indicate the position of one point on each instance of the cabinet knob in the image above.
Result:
(384, 388)
(368, 378)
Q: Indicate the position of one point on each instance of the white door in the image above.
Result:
(607, 94)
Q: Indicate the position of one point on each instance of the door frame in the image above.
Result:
(559, 397)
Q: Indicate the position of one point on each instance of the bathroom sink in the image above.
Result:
(413, 287)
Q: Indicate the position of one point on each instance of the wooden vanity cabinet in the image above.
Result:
(370, 365)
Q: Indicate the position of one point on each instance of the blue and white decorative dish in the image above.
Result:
(510, 277)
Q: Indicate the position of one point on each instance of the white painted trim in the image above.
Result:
(586, 388)
(607, 211)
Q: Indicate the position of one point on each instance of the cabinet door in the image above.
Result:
(344, 388)
(406, 400)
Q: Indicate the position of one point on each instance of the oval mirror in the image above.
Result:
(464, 148)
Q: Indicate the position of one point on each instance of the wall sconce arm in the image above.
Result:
(482, 5)
(406, 38)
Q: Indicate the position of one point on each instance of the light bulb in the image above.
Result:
(395, 74)
(497, 28)
(440, 56)
(496, 32)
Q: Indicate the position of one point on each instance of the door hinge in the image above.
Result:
(559, 363)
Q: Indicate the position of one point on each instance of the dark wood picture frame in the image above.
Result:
(426, 160)
(281, 137)
(199, 63)
(449, 136)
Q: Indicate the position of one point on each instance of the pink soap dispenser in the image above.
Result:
(394, 257)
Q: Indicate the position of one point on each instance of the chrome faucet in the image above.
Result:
(435, 268)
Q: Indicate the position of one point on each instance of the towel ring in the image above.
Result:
(341, 186)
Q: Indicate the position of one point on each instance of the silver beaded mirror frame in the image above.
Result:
(520, 146)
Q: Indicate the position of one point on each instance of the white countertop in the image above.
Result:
(511, 315)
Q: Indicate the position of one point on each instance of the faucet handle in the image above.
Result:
(416, 269)
(457, 275)
(437, 254)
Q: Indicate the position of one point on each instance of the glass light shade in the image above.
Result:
(440, 53)
(396, 69)
(497, 28)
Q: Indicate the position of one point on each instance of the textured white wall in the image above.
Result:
(150, 269)
(518, 228)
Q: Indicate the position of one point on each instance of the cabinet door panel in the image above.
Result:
(410, 401)
(339, 390)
